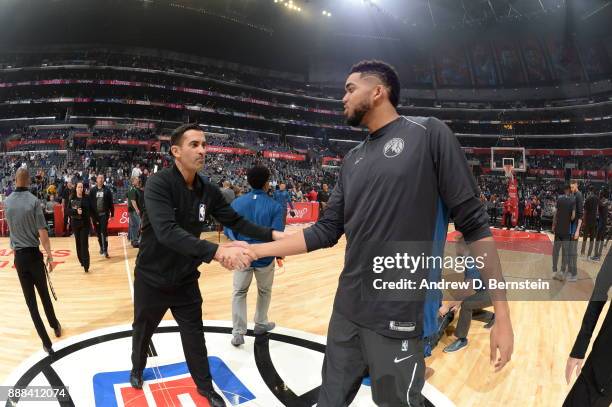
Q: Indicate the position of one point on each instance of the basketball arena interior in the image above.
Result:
(92, 93)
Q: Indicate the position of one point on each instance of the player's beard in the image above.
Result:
(357, 116)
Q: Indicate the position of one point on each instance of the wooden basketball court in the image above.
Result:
(302, 299)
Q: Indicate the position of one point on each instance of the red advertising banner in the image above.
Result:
(305, 212)
(474, 150)
(144, 143)
(284, 156)
(229, 150)
(14, 143)
(332, 161)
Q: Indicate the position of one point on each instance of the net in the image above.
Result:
(508, 170)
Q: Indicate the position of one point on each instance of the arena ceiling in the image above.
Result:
(287, 34)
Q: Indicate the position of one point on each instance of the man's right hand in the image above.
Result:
(234, 257)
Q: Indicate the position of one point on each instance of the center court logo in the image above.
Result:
(275, 370)
(393, 147)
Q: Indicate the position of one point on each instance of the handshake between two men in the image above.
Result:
(238, 254)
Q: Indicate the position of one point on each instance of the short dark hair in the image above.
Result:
(177, 134)
(258, 176)
(383, 71)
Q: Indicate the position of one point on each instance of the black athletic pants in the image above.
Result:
(590, 232)
(599, 242)
(396, 366)
(185, 303)
(81, 239)
(31, 272)
(102, 232)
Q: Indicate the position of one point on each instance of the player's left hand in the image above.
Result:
(502, 340)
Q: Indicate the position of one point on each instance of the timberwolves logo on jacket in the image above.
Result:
(280, 369)
(393, 147)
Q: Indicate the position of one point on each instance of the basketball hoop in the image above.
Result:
(508, 170)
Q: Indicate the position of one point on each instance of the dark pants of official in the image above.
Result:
(561, 244)
(102, 232)
(31, 272)
(590, 232)
(599, 242)
(185, 303)
(81, 239)
(396, 366)
(586, 392)
(481, 299)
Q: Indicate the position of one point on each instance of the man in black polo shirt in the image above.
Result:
(565, 213)
(399, 185)
(177, 200)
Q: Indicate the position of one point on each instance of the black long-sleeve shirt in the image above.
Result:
(600, 359)
(399, 185)
(82, 220)
(172, 221)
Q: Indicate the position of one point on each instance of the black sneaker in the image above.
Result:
(214, 399)
(49, 350)
(136, 380)
(58, 330)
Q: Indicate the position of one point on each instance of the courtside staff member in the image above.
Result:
(378, 198)
(27, 223)
(177, 200)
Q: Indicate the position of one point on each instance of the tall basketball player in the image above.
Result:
(399, 185)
